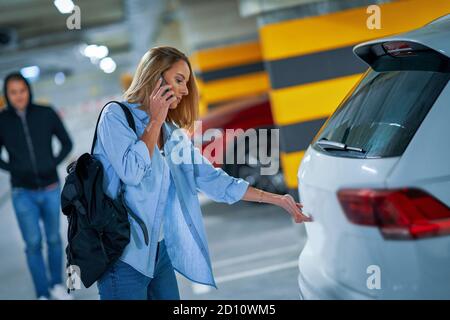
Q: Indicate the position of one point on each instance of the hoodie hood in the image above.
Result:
(16, 76)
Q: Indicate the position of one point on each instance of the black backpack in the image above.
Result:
(99, 228)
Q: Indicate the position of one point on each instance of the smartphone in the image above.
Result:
(163, 83)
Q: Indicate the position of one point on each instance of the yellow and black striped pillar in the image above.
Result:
(311, 65)
(229, 72)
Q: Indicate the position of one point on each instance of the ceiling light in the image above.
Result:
(107, 65)
(64, 6)
(60, 78)
(31, 73)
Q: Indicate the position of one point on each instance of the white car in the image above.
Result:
(376, 178)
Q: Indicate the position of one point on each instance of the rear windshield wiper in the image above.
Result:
(333, 145)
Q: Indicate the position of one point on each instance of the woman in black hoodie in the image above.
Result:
(26, 131)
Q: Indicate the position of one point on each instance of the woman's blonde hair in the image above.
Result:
(154, 62)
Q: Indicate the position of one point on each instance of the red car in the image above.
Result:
(251, 113)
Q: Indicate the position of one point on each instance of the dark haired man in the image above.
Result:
(26, 132)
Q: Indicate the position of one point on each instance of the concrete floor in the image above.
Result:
(254, 250)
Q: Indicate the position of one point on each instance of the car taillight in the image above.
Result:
(399, 48)
(400, 213)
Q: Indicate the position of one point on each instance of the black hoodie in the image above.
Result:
(28, 142)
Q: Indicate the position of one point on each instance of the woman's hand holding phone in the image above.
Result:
(160, 100)
(157, 107)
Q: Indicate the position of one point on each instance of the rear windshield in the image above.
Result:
(382, 113)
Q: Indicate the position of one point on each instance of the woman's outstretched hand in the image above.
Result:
(288, 203)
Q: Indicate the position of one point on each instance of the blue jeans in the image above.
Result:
(123, 282)
(32, 206)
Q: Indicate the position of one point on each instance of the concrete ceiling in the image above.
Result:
(34, 18)
(34, 32)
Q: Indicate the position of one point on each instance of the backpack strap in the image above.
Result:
(132, 125)
(140, 222)
(128, 115)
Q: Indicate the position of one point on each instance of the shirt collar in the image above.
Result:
(141, 114)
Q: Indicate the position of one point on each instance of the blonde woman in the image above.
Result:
(161, 191)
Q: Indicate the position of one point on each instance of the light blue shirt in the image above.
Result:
(126, 158)
(166, 185)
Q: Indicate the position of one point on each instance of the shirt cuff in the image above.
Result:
(142, 151)
(236, 190)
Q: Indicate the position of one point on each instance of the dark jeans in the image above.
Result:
(31, 207)
(123, 282)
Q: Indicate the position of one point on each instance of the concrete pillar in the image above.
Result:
(229, 73)
(212, 23)
(143, 17)
(223, 48)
